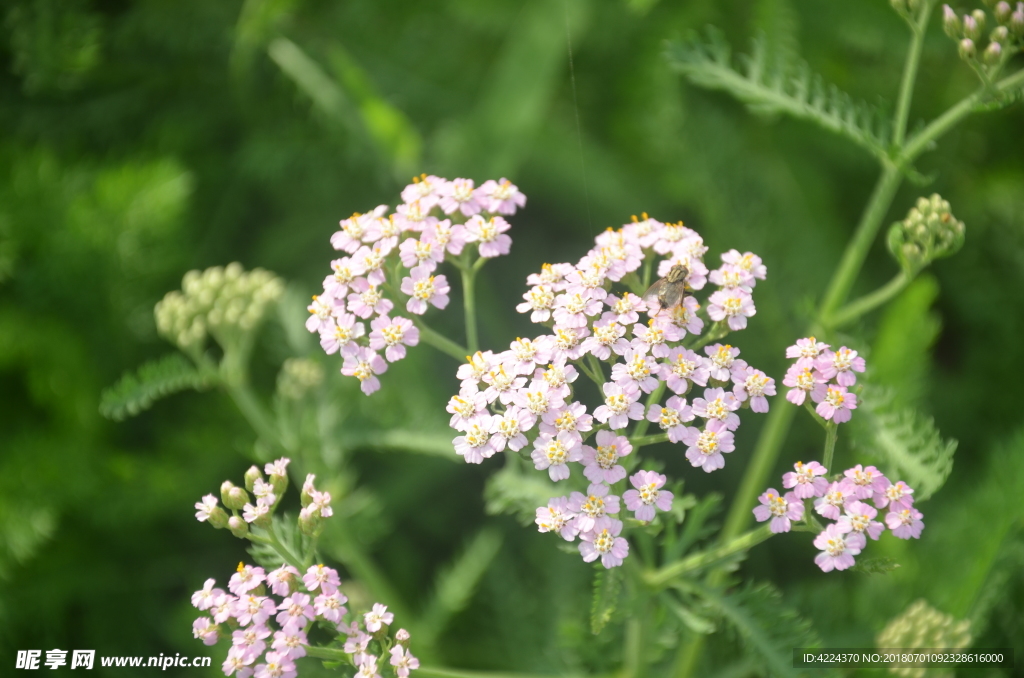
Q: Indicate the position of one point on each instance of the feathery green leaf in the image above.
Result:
(607, 587)
(772, 84)
(136, 392)
(906, 441)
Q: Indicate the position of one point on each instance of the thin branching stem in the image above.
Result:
(917, 29)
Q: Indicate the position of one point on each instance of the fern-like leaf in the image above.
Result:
(772, 85)
(907, 442)
(512, 492)
(137, 391)
(768, 629)
(455, 584)
(607, 587)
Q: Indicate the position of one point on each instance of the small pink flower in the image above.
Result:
(424, 189)
(337, 284)
(865, 482)
(401, 658)
(490, 234)
(475, 445)
(369, 262)
(364, 364)
(638, 370)
(830, 504)
(897, 496)
(424, 289)
(554, 454)
(718, 404)
(280, 580)
(508, 428)
(393, 335)
(748, 261)
(296, 611)
(204, 597)
(604, 541)
(321, 311)
(671, 417)
(806, 351)
(647, 495)
(608, 336)
(248, 643)
(278, 665)
(557, 517)
(625, 310)
(859, 517)
(367, 300)
(592, 506)
(502, 385)
(842, 364)
(378, 616)
(353, 229)
(683, 368)
(755, 385)
(204, 629)
(540, 299)
(341, 333)
(837, 549)
(448, 237)
(801, 380)
(572, 309)
(458, 195)
(290, 642)
(834, 402)
(466, 408)
(420, 252)
(330, 606)
(723, 361)
(706, 447)
(572, 419)
(526, 354)
(254, 609)
(205, 507)
(246, 579)
(806, 479)
(781, 509)
(620, 405)
(905, 523)
(733, 304)
(500, 197)
(600, 463)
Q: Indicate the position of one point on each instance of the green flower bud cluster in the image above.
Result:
(224, 302)
(922, 626)
(298, 376)
(1004, 40)
(929, 232)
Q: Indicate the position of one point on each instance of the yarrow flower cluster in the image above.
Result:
(267, 615)
(826, 376)
(389, 262)
(522, 399)
(969, 32)
(224, 302)
(844, 500)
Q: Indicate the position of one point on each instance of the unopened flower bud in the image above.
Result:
(1000, 34)
(1002, 12)
(951, 22)
(402, 637)
(251, 476)
(971, 29)
(309, 521)
(930, 231)
(1017, 21)
(993, 53)
(232, 496)
(306, 496)
(238, 527)
(218, 518)
(967, 49)
(979, 18)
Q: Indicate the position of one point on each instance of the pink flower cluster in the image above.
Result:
(843, 500)
(814, 371)
(436, 221)
(254, 618)
(522, 398)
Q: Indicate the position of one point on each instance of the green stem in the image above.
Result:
(817, 417)
(715, 332)
(860, 244)
(641, 426)
(253, 411)
(440, 342)
(917, 28)
(831, 434)
(328, 653)
(664, 576)
(638, 442)
(761, 463)
(469, 300)
(923, 139)
(869, 302)
(595, 365)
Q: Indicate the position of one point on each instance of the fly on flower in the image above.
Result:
(670, 291)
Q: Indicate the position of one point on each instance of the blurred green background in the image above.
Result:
(141, 139)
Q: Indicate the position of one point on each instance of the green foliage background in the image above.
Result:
(141, 139)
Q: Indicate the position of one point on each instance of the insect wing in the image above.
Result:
(671, 295)
(652, 295)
